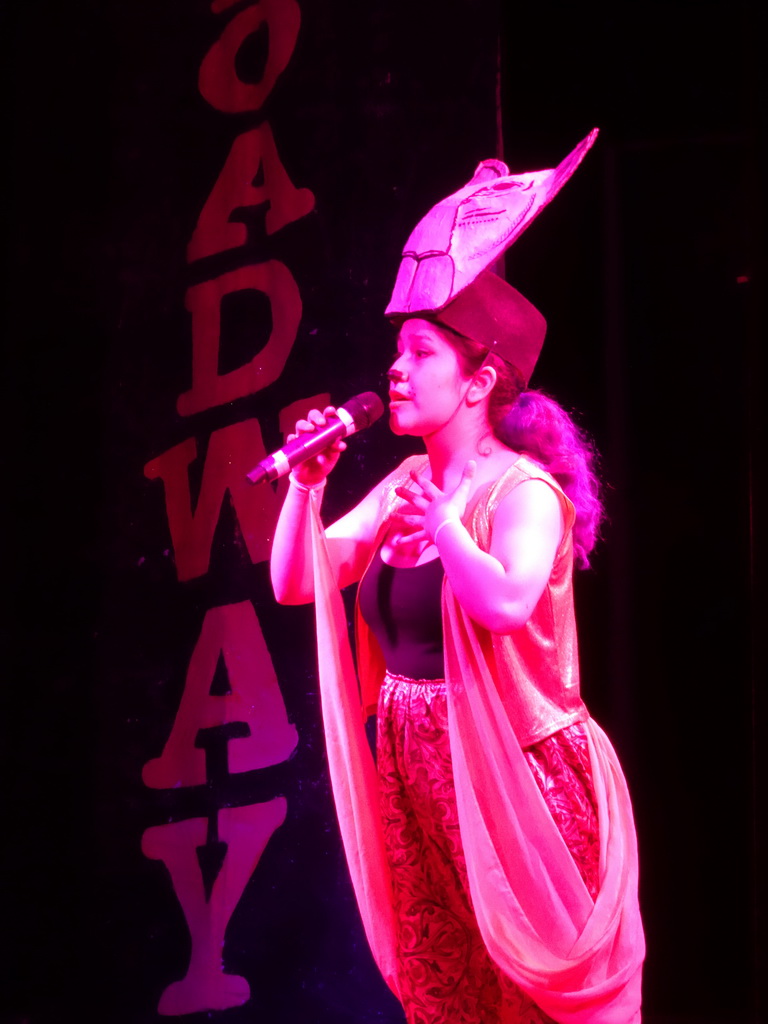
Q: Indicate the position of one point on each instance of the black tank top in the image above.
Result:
(402, 608)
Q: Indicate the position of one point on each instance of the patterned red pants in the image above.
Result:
(445, 974)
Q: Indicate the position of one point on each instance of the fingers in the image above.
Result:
(432, 492)
(312, 470)
(408, 495)
(315, 420)
(429, 489)
(467, 476)
(411, 538)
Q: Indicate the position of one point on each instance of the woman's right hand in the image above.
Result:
(315, 470)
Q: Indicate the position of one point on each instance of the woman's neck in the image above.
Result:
(454, 445)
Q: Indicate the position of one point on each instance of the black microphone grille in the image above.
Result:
(364, 409)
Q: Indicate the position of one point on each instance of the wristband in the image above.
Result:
(305, 488)
(445, 522)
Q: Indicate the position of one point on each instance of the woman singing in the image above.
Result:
(492, 847)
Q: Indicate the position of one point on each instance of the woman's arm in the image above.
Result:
(498, 589)
(349, 538)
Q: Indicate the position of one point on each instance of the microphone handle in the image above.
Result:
(281, 462)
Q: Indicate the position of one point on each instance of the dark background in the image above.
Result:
(649, 269)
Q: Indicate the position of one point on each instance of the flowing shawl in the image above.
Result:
(579, 960)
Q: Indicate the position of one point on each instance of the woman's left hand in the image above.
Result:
(426, 506)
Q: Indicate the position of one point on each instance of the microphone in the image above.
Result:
(356, 414)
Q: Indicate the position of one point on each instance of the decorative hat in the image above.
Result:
(444, 272)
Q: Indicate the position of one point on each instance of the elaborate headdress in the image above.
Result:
(444, 276)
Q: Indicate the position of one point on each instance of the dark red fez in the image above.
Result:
(493, 313)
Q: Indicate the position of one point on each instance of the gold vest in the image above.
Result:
(536, 667)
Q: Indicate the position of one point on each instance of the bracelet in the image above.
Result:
(445, 522)
(305, 488)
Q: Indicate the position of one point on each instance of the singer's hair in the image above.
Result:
(534, 424)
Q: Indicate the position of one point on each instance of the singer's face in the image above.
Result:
(426, 383)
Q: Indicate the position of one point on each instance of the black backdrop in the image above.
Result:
(648, 269)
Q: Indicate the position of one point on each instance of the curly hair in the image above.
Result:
(534, 424)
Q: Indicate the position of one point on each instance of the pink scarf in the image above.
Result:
(580, 961)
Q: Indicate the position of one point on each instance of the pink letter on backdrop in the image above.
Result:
(231, 631)
(209, 388)
(246, 831)
(234, 189)
(232, 452)
(218, 81)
